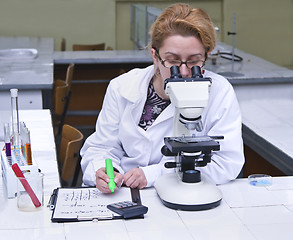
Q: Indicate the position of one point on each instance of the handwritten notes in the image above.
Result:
(86, 203)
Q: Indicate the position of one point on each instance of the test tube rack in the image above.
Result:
(9, 178)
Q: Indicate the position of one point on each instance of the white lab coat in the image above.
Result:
(119, 137)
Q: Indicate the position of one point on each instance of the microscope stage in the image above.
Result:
(191, 144)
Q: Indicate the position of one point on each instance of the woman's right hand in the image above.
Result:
(102, 180)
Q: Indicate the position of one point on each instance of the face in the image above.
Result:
(176, 47)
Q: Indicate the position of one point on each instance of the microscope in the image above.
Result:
(187, 188)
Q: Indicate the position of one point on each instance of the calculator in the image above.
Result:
(128, 209)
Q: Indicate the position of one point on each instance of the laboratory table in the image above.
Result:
(246, 212)
(251, 70)
(33, 225)
(27, 64)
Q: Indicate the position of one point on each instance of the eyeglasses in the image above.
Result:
(168, 63)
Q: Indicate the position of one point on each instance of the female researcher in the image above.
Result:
(137, 114)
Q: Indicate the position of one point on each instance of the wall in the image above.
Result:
(214, 7)
(264, 27)
(78, 21)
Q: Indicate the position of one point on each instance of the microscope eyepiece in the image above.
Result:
(175, 72)
(196, 72)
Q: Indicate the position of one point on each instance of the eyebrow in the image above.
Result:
(193, 55)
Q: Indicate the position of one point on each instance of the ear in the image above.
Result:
(208, 53)
(153, 52)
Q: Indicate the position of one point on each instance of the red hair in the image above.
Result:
(181, 19)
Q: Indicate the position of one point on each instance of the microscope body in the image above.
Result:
(188, 188)
(189, 96)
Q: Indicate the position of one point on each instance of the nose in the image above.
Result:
(185, 71)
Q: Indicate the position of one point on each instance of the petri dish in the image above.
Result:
(260, 180)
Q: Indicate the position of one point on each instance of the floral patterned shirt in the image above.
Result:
(154, 105)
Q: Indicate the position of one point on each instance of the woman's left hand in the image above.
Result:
(135, 178)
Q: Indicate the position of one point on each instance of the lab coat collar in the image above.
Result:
(135, 89)
(137, 84)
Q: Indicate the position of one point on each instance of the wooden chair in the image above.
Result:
(61, 97)
(69, 74)
(88, 47)
(69, 158)
(109, 48)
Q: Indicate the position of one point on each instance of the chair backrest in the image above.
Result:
(109, 48)
(60, 94)
(69, 74)
(88, 47)
(61, 97)
(69, 158)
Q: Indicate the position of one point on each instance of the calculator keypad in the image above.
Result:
(128, 209)
(124, 204)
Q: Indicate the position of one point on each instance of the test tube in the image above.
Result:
(25, 143)
(22, 130)
(15, 118)
(7, 139)
(16, 153)
(28, 150)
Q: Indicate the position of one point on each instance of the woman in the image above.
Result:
(137, 114)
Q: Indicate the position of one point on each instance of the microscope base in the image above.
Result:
(176, 194)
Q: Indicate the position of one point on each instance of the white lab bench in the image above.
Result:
(246, 212)
(267, 111)
(33, 76)
(264, 91)
(43, 147)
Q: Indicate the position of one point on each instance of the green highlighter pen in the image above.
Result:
(110, 173)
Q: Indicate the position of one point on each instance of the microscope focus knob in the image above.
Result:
(170, 165)
(191, 176)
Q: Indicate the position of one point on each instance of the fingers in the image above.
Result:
(118, 179)
(102, 180)
(135, 178)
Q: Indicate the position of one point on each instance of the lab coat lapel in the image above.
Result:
(135, 98)
(134, 139)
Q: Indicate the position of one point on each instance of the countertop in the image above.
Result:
(252, 70)
(246, 212)
(27, 73)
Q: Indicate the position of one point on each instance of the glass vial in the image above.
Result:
(15, 118)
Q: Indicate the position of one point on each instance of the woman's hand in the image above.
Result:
(102, 180)
(135, 178)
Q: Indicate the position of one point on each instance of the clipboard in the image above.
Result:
(88, 204)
